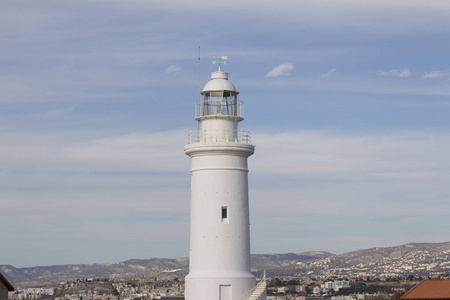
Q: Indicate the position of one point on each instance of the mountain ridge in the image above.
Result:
(412, 258)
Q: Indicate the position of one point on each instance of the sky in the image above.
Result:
(348, 103)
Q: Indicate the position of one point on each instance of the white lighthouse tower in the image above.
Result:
(219, 267)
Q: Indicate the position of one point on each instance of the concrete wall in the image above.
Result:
(3, 291)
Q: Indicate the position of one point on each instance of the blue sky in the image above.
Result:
(348, 103)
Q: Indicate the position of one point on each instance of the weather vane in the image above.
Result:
(219, 60)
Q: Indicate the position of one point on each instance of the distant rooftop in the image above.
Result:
(429, 289)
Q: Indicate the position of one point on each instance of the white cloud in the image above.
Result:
(49, 59)
(281, 70)
(348, 179)
(173, 69)
(141, 151)
(396, 73)
(397, 155)
(329, 73)
(56, 113)
(60, 152)
(126, 178)
(436, 74)
(362, 12)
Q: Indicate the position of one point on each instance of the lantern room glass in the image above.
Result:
(219, 103)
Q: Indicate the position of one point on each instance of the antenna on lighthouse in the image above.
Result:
(198, 85)
(219, 60)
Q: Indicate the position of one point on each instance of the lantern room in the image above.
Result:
(219, 98)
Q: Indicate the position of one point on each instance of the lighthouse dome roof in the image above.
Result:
(219, 82)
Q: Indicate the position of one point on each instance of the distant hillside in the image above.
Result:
(420, 259)
(133, 268)
(274, 262)
(417, 259)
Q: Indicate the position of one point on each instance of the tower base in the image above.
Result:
(231, 287)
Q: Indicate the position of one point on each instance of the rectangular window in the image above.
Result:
(224, 213)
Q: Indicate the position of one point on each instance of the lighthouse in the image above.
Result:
(219, 257)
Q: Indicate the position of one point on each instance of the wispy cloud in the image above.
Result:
(436, 74)
(397, 155)
(126, 177)
(98, 158)
(406, 154)
(390, 172)
(173, 69)
(281, 70)
(56, 113)
(396, 73)
(135, 152)
(329, 73)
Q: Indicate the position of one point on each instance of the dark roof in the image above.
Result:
(429, 289)
(6, 283)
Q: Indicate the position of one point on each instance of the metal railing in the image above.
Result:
(220, 135)
(249, 293)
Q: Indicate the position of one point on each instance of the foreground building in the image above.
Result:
(429, 290)
(219, 264)
(5, 287)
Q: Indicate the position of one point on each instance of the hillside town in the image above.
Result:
(363, 288)
(418, 262)
(377, 273)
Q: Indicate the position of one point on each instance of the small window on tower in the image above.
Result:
(224, 213)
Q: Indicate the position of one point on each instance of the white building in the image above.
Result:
(341, 284)
(219, 266)
(333, 285)
(283, 289)
(327, 285)
(317, 290)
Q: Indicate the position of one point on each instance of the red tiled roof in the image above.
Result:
(429, 289)
(6, 283)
